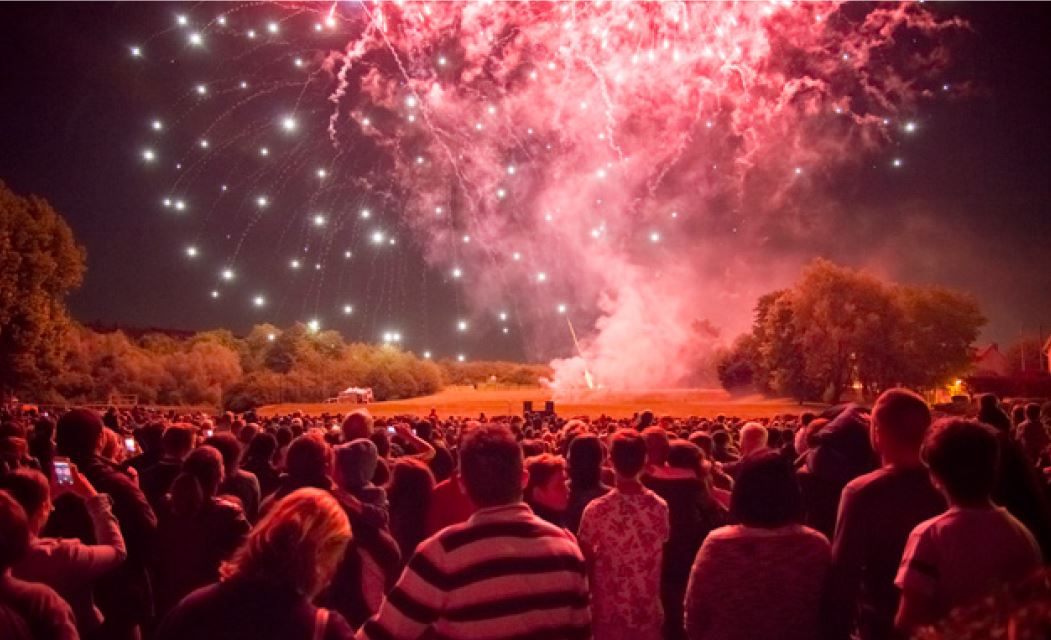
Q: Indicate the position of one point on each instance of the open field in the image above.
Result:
(466, 401)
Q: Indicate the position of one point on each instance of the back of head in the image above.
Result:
(491, 466)
(297, 544)
(262, 447)
(541, 468)
(902, 417)
(355, 463)
(627, 452)
(766, 493)
(686, 455)
(1032, 412)
(963, 457)
(656, 444)
(357, 425)
(753, 437)
(645, 420)
(197, 482)
(14, 531)
(585, 461)
(228, 446)
(308, 458)
(177, 441)
(78, 433)
(411, 482)
(149, 436)
(703, 441)
(30, 488)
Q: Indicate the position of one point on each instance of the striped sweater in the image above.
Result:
(502, 575)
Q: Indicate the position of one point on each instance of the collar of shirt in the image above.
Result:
(516, 511)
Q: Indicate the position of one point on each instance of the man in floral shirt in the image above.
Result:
(622, 535)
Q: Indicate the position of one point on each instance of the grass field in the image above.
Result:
(466, 401)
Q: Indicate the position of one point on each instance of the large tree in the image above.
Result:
(40, 263)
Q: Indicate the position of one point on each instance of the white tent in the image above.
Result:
(356, 394)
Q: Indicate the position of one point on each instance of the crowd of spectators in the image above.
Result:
(856, 522)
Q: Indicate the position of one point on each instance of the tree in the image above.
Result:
(940, 328)
(40, 263)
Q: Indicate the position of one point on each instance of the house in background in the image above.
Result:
(990, 361)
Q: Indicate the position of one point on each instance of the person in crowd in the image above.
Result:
(449, 502)
(725, 452)
(657, 444)
(198, 530)
(409, 494)
(503, 573)
(1032, 434)
(28, 610)
(547, 490)
(442, 463)
(124, 594)
(68, 566)
(622, 534)
(753, 438)
(355, 465)
(156, 480)
(265, 589)
(764, 576)
(149, 438)
(237, 482)
(963, 554)
(877, 511)
(584, 461)
(308, 463)
(693, 511)
(259, 461)
(284, 438)
(41, 443)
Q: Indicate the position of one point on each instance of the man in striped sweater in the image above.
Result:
(503, 574)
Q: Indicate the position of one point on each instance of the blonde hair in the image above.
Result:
(298, 543)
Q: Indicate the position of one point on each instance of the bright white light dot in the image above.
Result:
(596, 233)
(501, 193)
(262, 201)
(411, 118)
(330, 22)
(548, 217)
(314, 325)
(201, 89)
(410, 102)
(263, 151)
(442, 61)
(561, 308)
(221, 20)
(419, 159)
(179, 205)
(503, 316)
(461, 325)
(319, 220)
(392, 241)
(182, 20)
(348, 255)
(288, 123)
(377, 237)
(244, 85)
(178, 165)
(347, 309)
(427, 355)
(272, 27)
(191, 251)
(259, 301)
(457, 272)
(167, 202)
(655, 236)
(541, 277)
(910, 127)
(215, 293)
(317, 26)
(250, 33)
(366, 121)
(478, 126)
(196, 39)
(148, 155)
(897, 162)
(298, 62)
(461, 357)
(227, 274)
(157, 125)
(709, 124)
(321, 173)
(505, 330)
(365, 214)
(675, 214)
(437, 211)
(799, 170)
(224, 188)
(945, 87)
(516, 256)
(203, 143)
(466, 239)
(271, 337)
(136, 52)
(511, 170)
(601, 173)
(295, 264)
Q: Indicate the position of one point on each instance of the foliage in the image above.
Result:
(837, 327)
(479, 372)
(40, 263)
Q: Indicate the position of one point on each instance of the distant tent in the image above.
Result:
(361, 395)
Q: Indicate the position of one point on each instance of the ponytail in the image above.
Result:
(198, 482)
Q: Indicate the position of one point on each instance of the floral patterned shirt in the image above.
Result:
(624, 534)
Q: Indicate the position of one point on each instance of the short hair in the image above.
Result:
(541, 469)
(78, 433)
(686, 455)
(491, 466)
(230, 448)
(703, 441)
(357, 425)
(178, 439)
(308, 457)
(14, 531)
(766, 493)
(149, 435)
(297, 544)
(656, 444)
(262, 446)
(627, 452)
(903, 416)
(963, 455)
(1032, 411)
(753, 432)
(29, 487)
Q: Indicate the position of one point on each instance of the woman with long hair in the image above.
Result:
(409, 495)
(198, 530)
(265, 589)
(584, 467)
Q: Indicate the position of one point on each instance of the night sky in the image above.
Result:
(969, 209)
